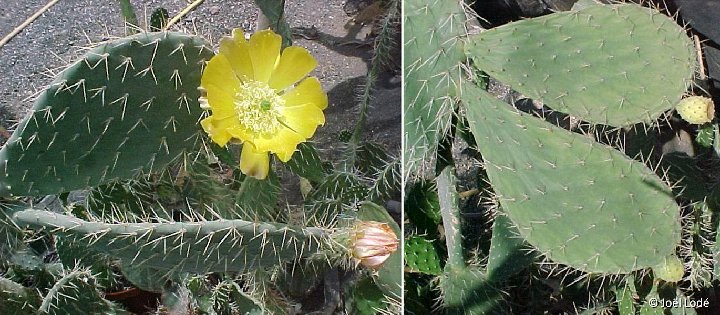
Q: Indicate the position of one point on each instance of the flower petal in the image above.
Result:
(218, 75)
(283, 143)
(238, 35)
(221, 103)
(243, 134)
(236, 50)
(217, 129)
(264, 53)
(303, 119)
(308, 91)
(295, 63)
(254, 163)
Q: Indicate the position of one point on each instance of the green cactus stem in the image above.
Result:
(198, 247)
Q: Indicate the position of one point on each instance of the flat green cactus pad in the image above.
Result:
(198, 247)
(607, 64)
(580, 203)
(126, 107)
(76, 294)
(422, 256)
(508, 251)
(467, 291)
(432, 62)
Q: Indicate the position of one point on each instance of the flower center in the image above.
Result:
(258, 107)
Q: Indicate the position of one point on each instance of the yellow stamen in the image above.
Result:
(258, 107)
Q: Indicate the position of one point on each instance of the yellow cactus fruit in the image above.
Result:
(671, 270)
(696, 109)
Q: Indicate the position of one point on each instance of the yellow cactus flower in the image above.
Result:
(260, 96)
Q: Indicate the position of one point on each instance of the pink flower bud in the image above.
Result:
(372, 243)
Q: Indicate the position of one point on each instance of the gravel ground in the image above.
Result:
(55, 39)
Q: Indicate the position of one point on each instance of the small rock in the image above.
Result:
(682, 142)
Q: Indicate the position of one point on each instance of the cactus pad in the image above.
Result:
(421, 255)
(128, 106)
(422, 207)
(17, 299)
(74, 294)
(578, 202)
(467, 291)
(199, 247)
(508, 251)
(433, 56)
(568, 61)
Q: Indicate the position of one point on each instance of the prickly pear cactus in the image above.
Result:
(568, 61)
(609, 214)
(76, 293)
(571, 202)
(17, 299)
(468, 291)
(128, 107)
(421, 256)
(432, 62)
(696, 109)
(670, 270)
(198, 247)
(509, 252)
